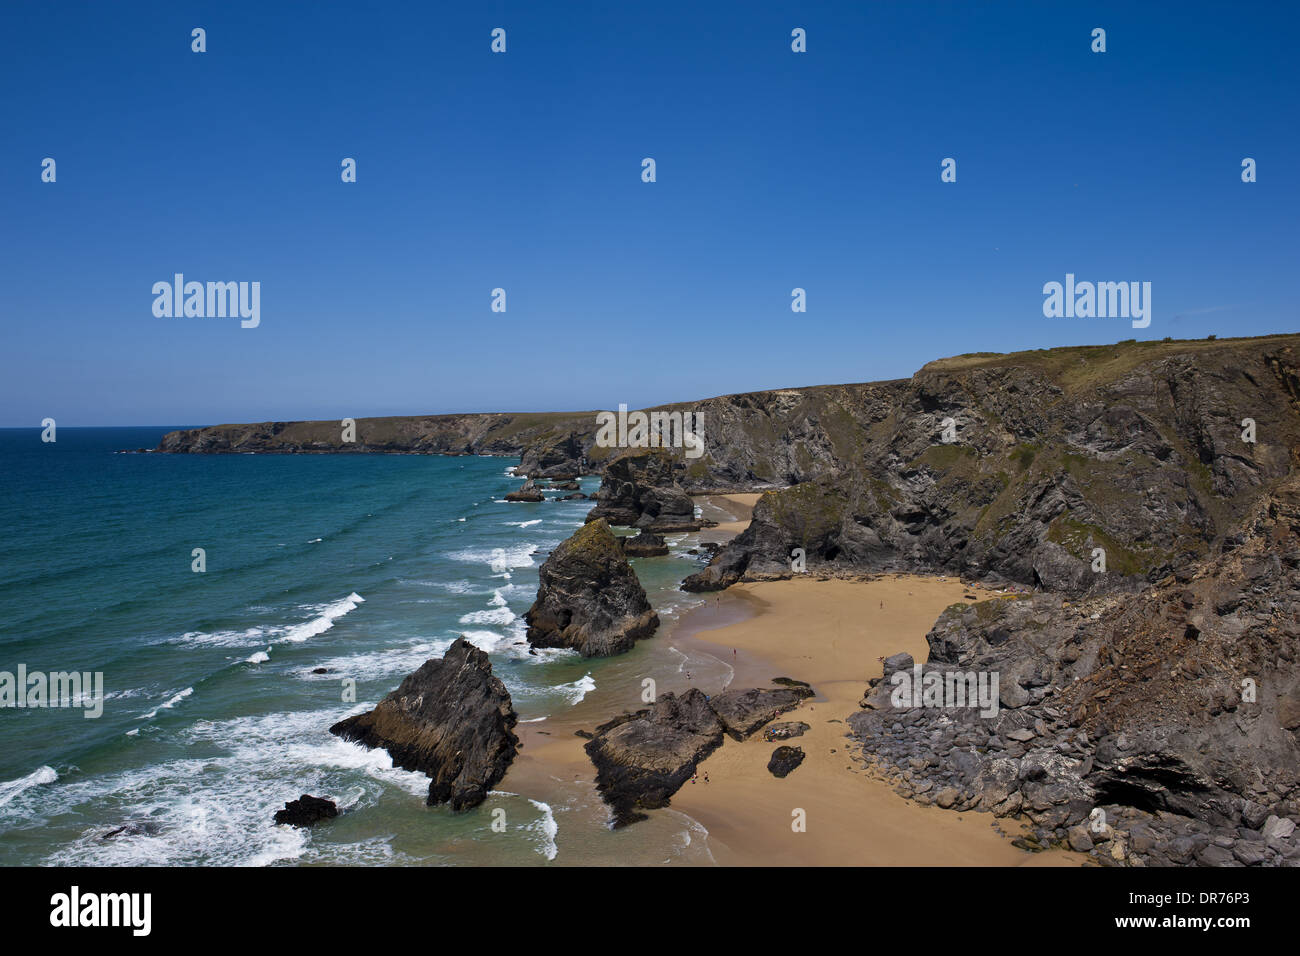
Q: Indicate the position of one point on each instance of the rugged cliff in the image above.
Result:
(1037, 467)
(1159, 728)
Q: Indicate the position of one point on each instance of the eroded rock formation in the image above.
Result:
(589, 598)
(451, 719)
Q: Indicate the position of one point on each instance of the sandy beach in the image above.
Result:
(833, 635)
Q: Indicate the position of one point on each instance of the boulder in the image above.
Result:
(306, 810)
(647, 544)
(784, 760)
(528, 491)
(450, 719)
(589, 598)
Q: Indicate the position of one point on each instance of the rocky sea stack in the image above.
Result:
(639, 490)
(589, 598)
(451, 720)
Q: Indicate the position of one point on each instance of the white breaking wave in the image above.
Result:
(261, 657)
(376, 665)
(499, 616)
(547, 828)
(171, 702)
(294, 633)
(518, 556)
(329, 613)
(250, 637)
(578, 689)
(217, 810)
(525, 524)
(36, 778)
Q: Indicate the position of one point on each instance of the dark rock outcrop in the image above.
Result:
(647, 544)
(589, 598)
(528, 491)
(562, 458)
(450, 719)
(741, 712)
(784, 760)
(639, 490)
(306, 811)
(642, 759)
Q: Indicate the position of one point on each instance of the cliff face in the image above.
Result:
(1175, 712)
(752, 441)
(1133, 449)
(477, 434)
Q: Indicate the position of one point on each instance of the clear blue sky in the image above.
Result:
(775, 170)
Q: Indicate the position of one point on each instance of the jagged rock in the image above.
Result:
(642, 759)
(784, 760)
(741, 712)
(528, 491)
(565, 485)
(306, 810)
(638, 489)
(644, 545)
(560, 457)
(589, 598)
(450, 719)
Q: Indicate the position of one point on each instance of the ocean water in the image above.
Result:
(363, 565)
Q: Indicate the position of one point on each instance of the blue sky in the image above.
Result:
(523, 171)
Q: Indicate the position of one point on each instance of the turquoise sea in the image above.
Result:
(363, 565)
